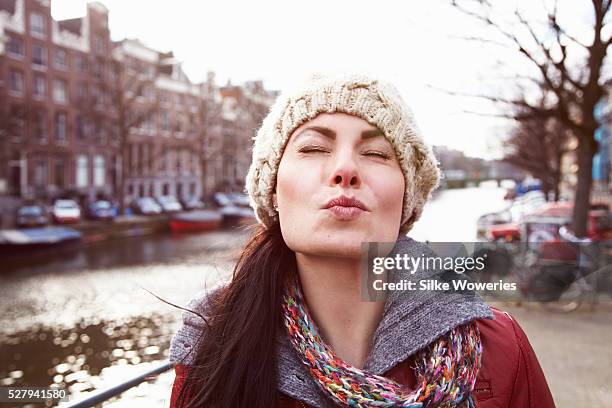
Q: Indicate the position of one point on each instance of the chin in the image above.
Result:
(345, 243)
(350, 250)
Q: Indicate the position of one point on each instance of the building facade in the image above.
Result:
(163, 140)
(53, 74)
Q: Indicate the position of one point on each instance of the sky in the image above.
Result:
(414, 44)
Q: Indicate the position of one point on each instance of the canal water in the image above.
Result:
(85, 319)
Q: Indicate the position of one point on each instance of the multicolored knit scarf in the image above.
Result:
(446, 370)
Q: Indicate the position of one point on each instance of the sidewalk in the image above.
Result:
(574, 352)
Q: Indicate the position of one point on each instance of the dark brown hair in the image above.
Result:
(235, 361)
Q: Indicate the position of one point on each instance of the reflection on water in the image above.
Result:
(74, 358)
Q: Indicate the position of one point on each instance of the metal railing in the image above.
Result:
(102, 395)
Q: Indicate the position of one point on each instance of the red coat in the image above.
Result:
(510, 375)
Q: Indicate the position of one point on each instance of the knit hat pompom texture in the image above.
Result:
(377, 102)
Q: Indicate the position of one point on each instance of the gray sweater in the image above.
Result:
(411, 321)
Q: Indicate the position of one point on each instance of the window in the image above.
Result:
(81, 127)
(81, 91)
(100, 133)
(97, 97)
(82, 173)
(61, 59)
(149, 92)
(114, 70)
(98, 70)
(164, 121)
(38, 25)
(40, 126)
(99, 171)
(84, 127)
(133, 65)
(60, 128)
(178, 126)
(40, 172)
(179, 99)
(163, 97)
(81, 63)
(98, 44)
(150, 123)
(15, 47)
(60, 169)
(16, 82)
(39, 55)
(17, 123)
(60, 93)
(40, 86)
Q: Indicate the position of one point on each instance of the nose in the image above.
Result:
(345, 172)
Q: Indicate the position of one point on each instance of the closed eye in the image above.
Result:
(382, 155)
(313, 149)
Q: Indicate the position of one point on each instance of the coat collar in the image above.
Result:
(411, 321)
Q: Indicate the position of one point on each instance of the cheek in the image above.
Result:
(389, 188)
(294, 182)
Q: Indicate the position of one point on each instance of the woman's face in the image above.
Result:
(335, 155)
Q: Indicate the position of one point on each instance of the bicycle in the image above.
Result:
(558, 273)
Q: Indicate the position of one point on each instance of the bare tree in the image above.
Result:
(17, 123)
(569, 76)
(132, 102)
(10, 120)
(537, 146)
(207, 119)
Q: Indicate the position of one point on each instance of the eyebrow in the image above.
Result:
(331, 134)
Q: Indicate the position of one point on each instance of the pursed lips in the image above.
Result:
(345, 208)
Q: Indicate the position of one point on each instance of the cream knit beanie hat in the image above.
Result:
(375, 101)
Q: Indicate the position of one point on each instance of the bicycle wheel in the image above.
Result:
(571, 298)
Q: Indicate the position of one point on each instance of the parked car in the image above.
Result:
(169, 204)
(31, 215)
(228, 199)
(240, 199)
(101, 210)
(66, 211)
(553, 216)
(486, 221)
(221, 200)
(146, 206)
(192, 203)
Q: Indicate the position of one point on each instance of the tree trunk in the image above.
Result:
(121, 180)
(545, 186)
(585, 152)
(204, 175)
(557, 176)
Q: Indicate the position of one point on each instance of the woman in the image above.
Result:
(337, 162)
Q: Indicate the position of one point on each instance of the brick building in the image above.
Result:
(53, 74)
